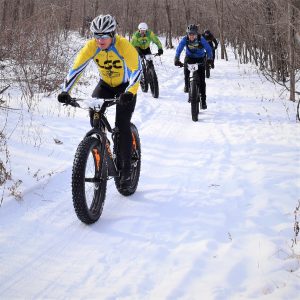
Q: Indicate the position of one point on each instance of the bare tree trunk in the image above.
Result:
(68, 9)
(155, 15)
(4, 15)
(187, 6)
(96, 8)
(220, 22)
(28, 9)
(291, 43)
(16, 8)
(169, 32)
(83, 25)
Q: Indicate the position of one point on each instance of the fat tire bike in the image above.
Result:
(149, 77)
(194, 90)
(94, 163)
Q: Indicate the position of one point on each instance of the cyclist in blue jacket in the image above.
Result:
(196, 49)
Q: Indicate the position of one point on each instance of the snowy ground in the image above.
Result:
(213, 216)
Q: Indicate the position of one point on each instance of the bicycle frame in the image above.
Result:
(99, 128)
(192, 68)
(146, 61)
(94, 163)
(149, 77)
(194, 76)
(149, 57)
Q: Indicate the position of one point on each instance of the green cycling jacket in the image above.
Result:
(143, 42)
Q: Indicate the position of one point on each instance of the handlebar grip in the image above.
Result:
(73, 103)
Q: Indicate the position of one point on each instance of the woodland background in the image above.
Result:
(33, 33)
(36, 38)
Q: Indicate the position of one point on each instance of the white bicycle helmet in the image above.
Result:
(103, 24)
(143, 26)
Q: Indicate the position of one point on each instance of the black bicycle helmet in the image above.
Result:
(192, 28)
(207, 32)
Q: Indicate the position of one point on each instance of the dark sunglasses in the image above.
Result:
(103, 36)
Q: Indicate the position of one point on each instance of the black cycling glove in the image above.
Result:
(64, 97)
(160, 51)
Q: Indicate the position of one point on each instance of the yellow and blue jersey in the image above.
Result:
(118, 64)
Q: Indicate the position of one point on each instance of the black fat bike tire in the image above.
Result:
(153, 82)
(86, 213)
(136, 157)
(144, 80)
(144, 84)
(194, 99)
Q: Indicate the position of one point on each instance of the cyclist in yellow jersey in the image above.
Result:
(120, 68)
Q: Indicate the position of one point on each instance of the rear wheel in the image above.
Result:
(89, 180)
(153, 82)
(135, 164)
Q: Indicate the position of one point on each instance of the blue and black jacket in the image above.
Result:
(194, 49)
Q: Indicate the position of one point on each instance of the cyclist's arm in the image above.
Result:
(81, 61)
(135, 41)
(180, 47)
(215, 42)
(133, 63)
(155, 40)
(207, 48)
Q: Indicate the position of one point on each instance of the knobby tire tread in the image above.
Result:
(127, 191)
(82, 210)
(153, 82)
(193, 94)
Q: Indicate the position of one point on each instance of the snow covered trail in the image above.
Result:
(212, 217)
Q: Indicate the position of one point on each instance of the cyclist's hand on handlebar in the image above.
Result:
(139, 51)
(125, 98)
(178, 63)
(64, 97)
(160, 51)
(210, 62)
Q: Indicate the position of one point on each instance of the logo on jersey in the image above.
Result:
(109, 65)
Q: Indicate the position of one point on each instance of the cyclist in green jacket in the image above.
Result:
(142, 38)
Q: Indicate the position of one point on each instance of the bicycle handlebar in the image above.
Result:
(73, 103)
(109, 101)
(151, 54)
(180, 65)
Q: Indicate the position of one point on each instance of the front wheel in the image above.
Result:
(135, 164)
(89, 180)
(144, 82)
(153, 82)
(194, 99)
